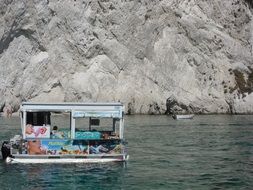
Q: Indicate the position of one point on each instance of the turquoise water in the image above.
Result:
(208, 152)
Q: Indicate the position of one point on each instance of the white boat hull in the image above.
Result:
(190, 116)
(41, 160)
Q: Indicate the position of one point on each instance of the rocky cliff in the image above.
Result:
(155, 56)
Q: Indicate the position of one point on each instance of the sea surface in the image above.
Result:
(210, 152)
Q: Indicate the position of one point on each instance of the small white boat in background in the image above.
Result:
(185, 116)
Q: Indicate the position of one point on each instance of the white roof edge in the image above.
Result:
(68, 106)
(72, 104)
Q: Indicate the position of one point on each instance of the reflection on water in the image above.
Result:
(63, 176)
(208, 152)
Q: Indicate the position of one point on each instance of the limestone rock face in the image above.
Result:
(155, 56)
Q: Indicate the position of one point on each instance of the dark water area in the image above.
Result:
(210, 152)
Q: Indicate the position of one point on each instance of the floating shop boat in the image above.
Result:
(188, 116)
(94, 133)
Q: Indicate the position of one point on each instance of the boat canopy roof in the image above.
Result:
(78, 109)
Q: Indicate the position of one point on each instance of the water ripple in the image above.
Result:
(206, 153)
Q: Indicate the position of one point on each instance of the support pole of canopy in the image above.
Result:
(121, 128)
(21, 121)
(72, 125)
(24, 123)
